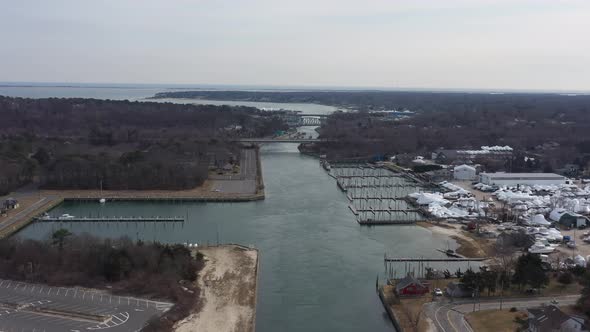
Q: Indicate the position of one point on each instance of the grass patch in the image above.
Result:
(503, 320)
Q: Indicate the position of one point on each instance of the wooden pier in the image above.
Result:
(421, 259)
(111, 219)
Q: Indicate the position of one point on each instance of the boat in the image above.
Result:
(66, 216)
(102, 201)
(540, 248)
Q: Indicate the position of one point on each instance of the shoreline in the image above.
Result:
(467, 245)
(228, 284)
(48, 199)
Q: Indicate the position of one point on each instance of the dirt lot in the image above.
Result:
(582, 248)
(228, 289)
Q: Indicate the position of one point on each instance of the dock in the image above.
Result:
(422, 259)
(369, 222)
(111, 219)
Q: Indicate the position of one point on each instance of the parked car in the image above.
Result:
(438, 292)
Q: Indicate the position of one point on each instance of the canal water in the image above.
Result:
(318, 267)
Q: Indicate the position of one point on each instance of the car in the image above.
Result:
(438, 292)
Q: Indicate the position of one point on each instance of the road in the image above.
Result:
(6, 223)
(19, 302)
(242, 183)
(449, 316)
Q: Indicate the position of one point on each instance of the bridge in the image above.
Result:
(281, 140)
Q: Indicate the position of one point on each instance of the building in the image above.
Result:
(457, 289)
(10, 204)
(568, 219)
(550, 318)
(410, 286)
(464, 172)
(514, 179)
(467, 156)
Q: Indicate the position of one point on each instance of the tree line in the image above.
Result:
(73, 143)
(132, 268)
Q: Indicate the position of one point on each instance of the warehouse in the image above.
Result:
(513, 179)
(464, 172)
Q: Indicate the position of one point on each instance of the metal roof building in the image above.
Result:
(513, 179)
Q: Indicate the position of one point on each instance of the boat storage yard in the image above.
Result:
(550, 215)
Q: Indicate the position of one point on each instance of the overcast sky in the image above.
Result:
(502, 44)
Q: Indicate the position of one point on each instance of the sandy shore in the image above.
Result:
(469, 246)
(228, 289)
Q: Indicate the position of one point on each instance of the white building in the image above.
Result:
(513, 179)
(464, 172)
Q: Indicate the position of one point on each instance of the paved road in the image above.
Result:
(243, 183)
(449, 317)
(125, 313)
(8, 222)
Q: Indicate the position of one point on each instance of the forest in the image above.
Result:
(555, 136)
(133, 268)
(74, 143)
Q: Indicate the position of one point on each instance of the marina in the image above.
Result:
(377, 195)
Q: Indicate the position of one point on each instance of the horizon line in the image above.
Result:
(270, 87)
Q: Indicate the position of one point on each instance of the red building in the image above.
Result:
(410, 286)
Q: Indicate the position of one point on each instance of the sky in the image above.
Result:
(442, 44)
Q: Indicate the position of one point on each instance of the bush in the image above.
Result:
(513, 309)
(565, 278)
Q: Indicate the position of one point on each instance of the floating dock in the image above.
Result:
(407, 259)
(111, 219)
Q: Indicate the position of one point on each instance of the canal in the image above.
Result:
(318, 266)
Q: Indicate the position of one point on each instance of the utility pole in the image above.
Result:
(501, 291)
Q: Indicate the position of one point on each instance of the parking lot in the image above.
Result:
(39, 308)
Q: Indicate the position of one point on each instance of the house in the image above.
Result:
(410, 286)
(464, 172)
(457, 289)
(568, 219)
(550, 318)
(10, 204)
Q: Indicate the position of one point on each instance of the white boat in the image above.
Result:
(66, 216)
(102, 201)
(540, 248)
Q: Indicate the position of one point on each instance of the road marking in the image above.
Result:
(436, 318)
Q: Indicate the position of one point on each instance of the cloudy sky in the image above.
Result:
(475, 44)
